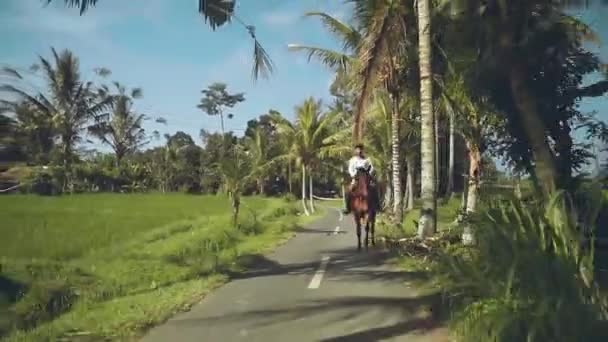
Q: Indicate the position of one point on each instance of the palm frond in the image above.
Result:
(11, 72)
(216, 12)
(344, 32)
(372, 55)
(83, 5)
(330, 58)
(581, 29)
(27, 97)
(262, 64)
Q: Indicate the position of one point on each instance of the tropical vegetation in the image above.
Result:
(438, 91)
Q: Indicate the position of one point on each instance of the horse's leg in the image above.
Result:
(367, 234)
(358, 224)
(373, 228)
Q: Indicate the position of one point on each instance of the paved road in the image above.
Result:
(316, 287)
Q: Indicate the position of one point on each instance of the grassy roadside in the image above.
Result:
(119, 290)
(499, 289)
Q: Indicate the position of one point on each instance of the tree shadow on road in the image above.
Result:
(421, 316)
(346, 264)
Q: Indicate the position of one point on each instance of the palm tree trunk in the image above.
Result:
(396, 162)
(450, 188)
(289, 176)
(304, 190)
(468, 233)
(222, 122)
(437, 155)
(534, 128)
(312, 202)
(518, 193)
(411, 173)
(388, 195)
(474, 177)
(427, 223)
(406, 196)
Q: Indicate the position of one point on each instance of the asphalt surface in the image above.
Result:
(316, 287)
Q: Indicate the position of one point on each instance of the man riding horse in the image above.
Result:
(356, 163)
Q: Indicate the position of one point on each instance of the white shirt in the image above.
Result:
(357, 162)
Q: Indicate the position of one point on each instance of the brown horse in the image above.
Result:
(364, 206)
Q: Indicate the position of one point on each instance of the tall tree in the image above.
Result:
(257, 147)
(30, 130)
(71, 102)
(313, 136)
(528, 92)
(217, 100)
(427, 223)
(121, 129)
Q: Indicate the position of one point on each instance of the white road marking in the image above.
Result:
(337, 230)
(315, 282)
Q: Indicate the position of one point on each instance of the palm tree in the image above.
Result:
(505, 35)
(452, 150)
(235, 170)
(71, 102)
(258, 149)
(121, 129)
(31, 129)
(470, 115)
(216, 13)
(336, 60)
(379, 54)
(427, 223)
(380, 51)
(379, 142)
(313, 136)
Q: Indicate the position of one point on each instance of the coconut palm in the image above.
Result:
(31, 129)
(313, 136)
(427, 223)
(346, 65)
(235, 169)
(69, 101)
(258, 149)
(336, 60)
(381, 140)
(216, 13)
(505, 36)
(469, 114)
(378, 143)
(121, 129)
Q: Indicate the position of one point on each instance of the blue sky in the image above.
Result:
(164, 47)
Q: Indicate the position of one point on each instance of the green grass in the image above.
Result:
(37, 226)
(126, 273)
(447, 210)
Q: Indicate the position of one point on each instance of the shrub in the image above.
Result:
(529, 276)
(43, 180)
